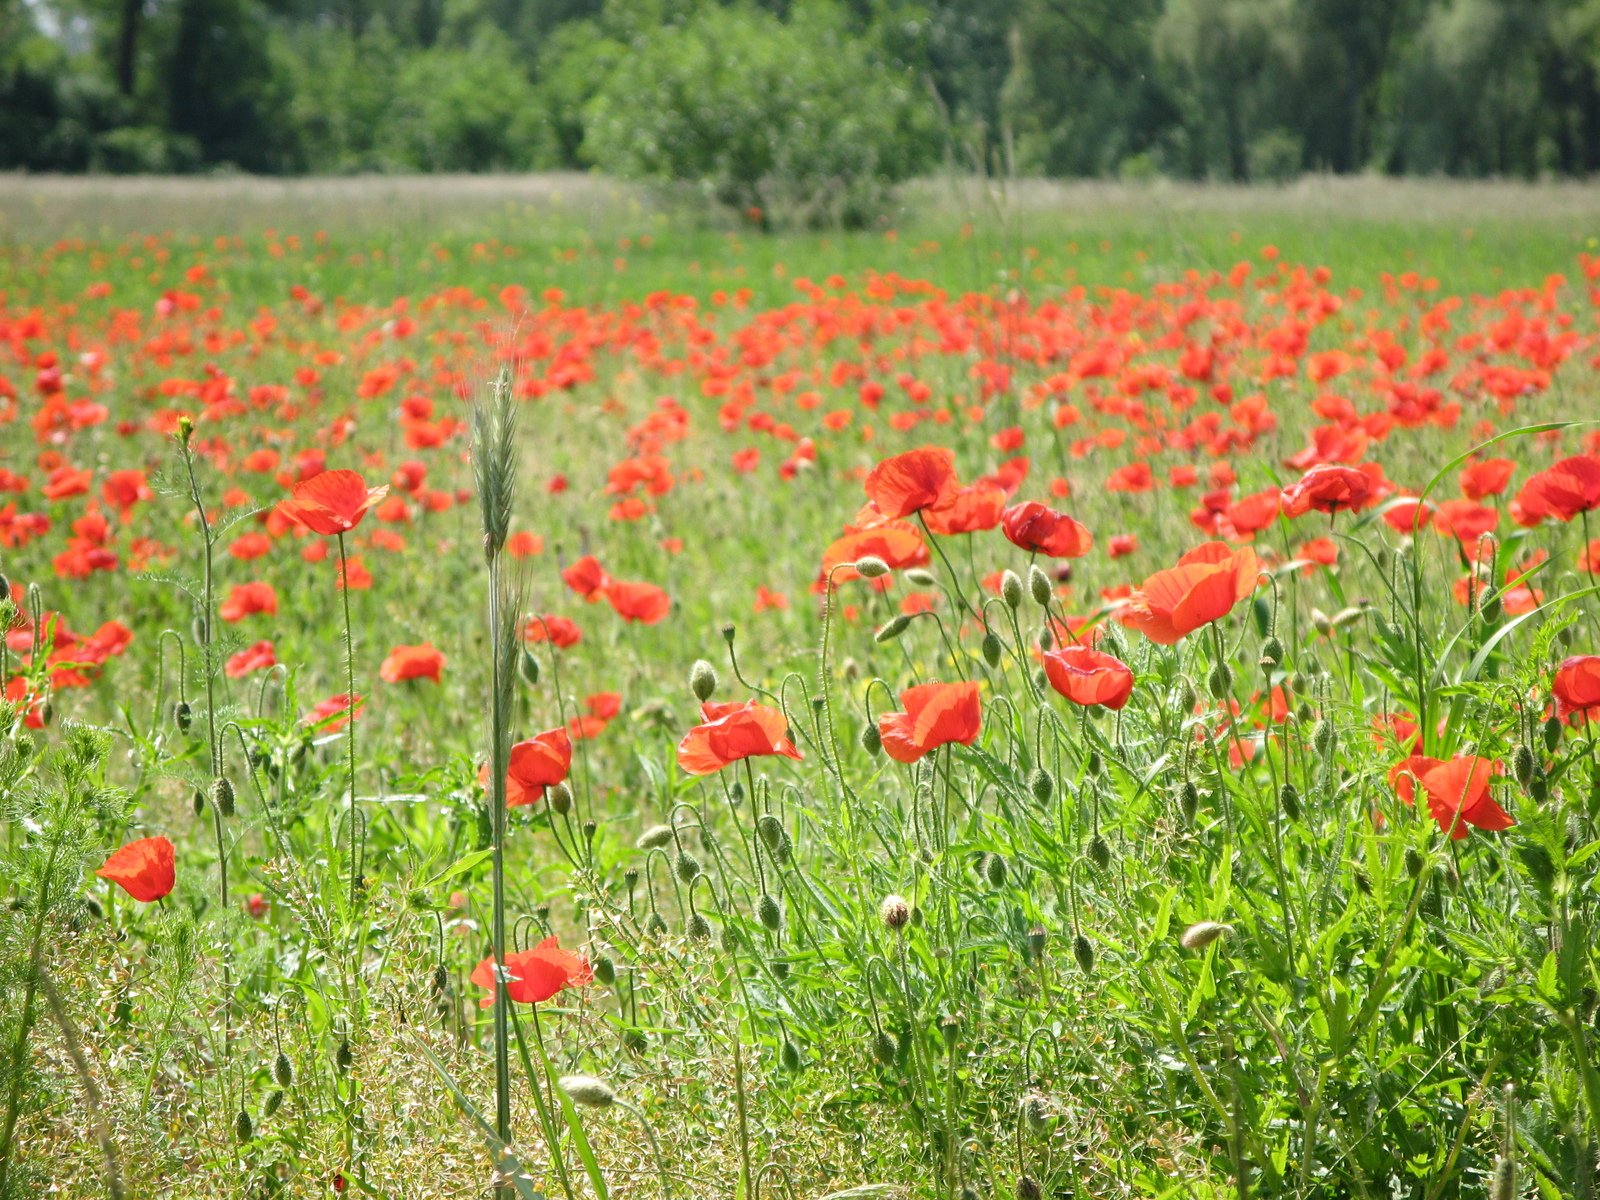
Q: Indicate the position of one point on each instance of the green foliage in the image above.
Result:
(795, 119)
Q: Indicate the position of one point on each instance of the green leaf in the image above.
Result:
(461, 866)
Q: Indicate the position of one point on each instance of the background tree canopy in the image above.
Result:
(809, 105)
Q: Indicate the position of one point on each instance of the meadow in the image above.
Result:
(1075, 691)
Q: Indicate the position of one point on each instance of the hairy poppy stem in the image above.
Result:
(350, 724)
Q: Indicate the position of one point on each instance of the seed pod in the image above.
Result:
(1038, 585)
(1099, 852)
(1011, 589)
(871, 567)
(1201, 934)
(1220, 681)
(222, 795)
(559, 797)
(893, 629)
(1037, 938)
(273, 1104)
(769, 913)
(344, 1058)
(991, 649)
(871, 739)
(1083, 951)
(654, 837)
(243, 1127)
(687, 866)
(790, 1056)
(182, 716)
(1522, 765)
(1289, 800)
(702, 680)
(589, 829)
(698, 929)
(994, 870)
(282, 1070)
(894, 912)
(1042, 784)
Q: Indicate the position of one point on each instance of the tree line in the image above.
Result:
(760, 101)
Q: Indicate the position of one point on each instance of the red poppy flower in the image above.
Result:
(1486, 478)
(534, 976)
(334, 713)
(1570, 487)
(732, 732)
(642, 603)
(144, 869)
(536, 764)
(1328, 488)
(913, 481)
(1466, 520)
(587, 578)
(412, 662)
(248, 599)
(559, 631)
(935, 714)
(1041, 530)
(258, 657)
(1457, 791)
(1088, 677)
(1576, 686)
(331, 502)
(1204, 586)
(967, 510)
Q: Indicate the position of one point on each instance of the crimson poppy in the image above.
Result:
(536, 764)
(331, 502)
(423, 661)
(258, 657)
(1205, 585)
(1041, 530)
(534, 976)
(731, 732)
(560, 632)
(641, 603)
(587, 578)
(1457, 791)
(1562, 491)
(1576, 686)
(1089, 677)
(145, 869)
(935, 714)
(910, 482)
(1327, 488)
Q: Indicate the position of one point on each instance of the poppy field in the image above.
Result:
(946, 712)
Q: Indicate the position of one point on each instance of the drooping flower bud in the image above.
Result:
(588, 1090)
(702, 680)
(222, 795)
(1202, 933)
(1039, 586)
(1011, 589)
(893, 628)
(871, 567)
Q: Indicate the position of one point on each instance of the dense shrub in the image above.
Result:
(794, 119)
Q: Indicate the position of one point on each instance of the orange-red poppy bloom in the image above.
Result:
(1486, 478)
(1576, 686)
(1457, 791)
(913, 481)
(1562, 491)
(248, 599)
(560, 632)
(1204, 586)
(1041, 530)
(258, 657)
(967, 510)
(1328, 488)
(643, 603)
(534, 976)
(145, 869)
(412, 662)
(587, 578)
(1088, 677)
(331, 502)
(731, 732)
(935, 714)
(536, 764)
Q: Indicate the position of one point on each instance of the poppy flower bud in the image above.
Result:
(1039, 585)
(1323, 737)
(1189, 800)
(1504, 1186)
(283, 1070)
(1202, 933)
(1092, 764)
(769, 913)
(560, 797)
(779, 968)
(1028, 1188)
(728, 632)
(687, 866)
(590, 828)
(1220, 681)
(994, 870)
(1289, 799)
(1099, 851)
(1363, 884)
(698, 929)
(1011, 589)
(1321, 622)
(1042, 784)
(921, 577)
(344, 1058)
(1037, 937)
(1414, 862)
(1537, 859)
(789, 1056)
(1552, 734)
(243, 1127)
(770, 830)
(1522, 765)
(895, 626)
(991, 649)
(1083, 951)
(528, 667)
(1187, 698)
(635, 1041)
(182, 716)
(185, 430)
(871, 740)
(441, 980)
(656, 924)
(650, 839)
(1271, 653)
(702, 680)
(605, 971)
(273, 1104)
(1492, 609)
(894, 912)
(1539, 789)
(222, 795)
(884, 1048)
(871, 567)
(198, 802)
(950, 1030)
(588, 1091)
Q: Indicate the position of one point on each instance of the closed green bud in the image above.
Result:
(1189, 800)
(702, 680)
(1028, 1188)
(1289, 801)
(1414, 863)
(1271, 653)
(282, 1070)
(1039, 586)
(441, 980)
(222, 795)
(198, 802)
(1363, 884)
(656, 924)
(871, 567)
(1011, 589)
(1099, 852)
(182, 716)
(893, 629)
(790, 1056)
(769, 913)
(884, 1048)
(1038, 936)
(273, 1104)
(1322, 737)
(635, 1041)
(1522, 765)
(698, 929)
(605, 971)
(921, 577)
(994, 870)
(528, 667)
(560, 799)
(1083, 951)
(770, 830)
(992, 649)
(1220, 681)
(1042, 784)
(587, 1090)
(654, 837)
(243, 1127)
(1092, 764)
(687, 866)
(1493, 608)
(344, 1058)
(871, 739)
(1552, 734)
(1201, 934)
